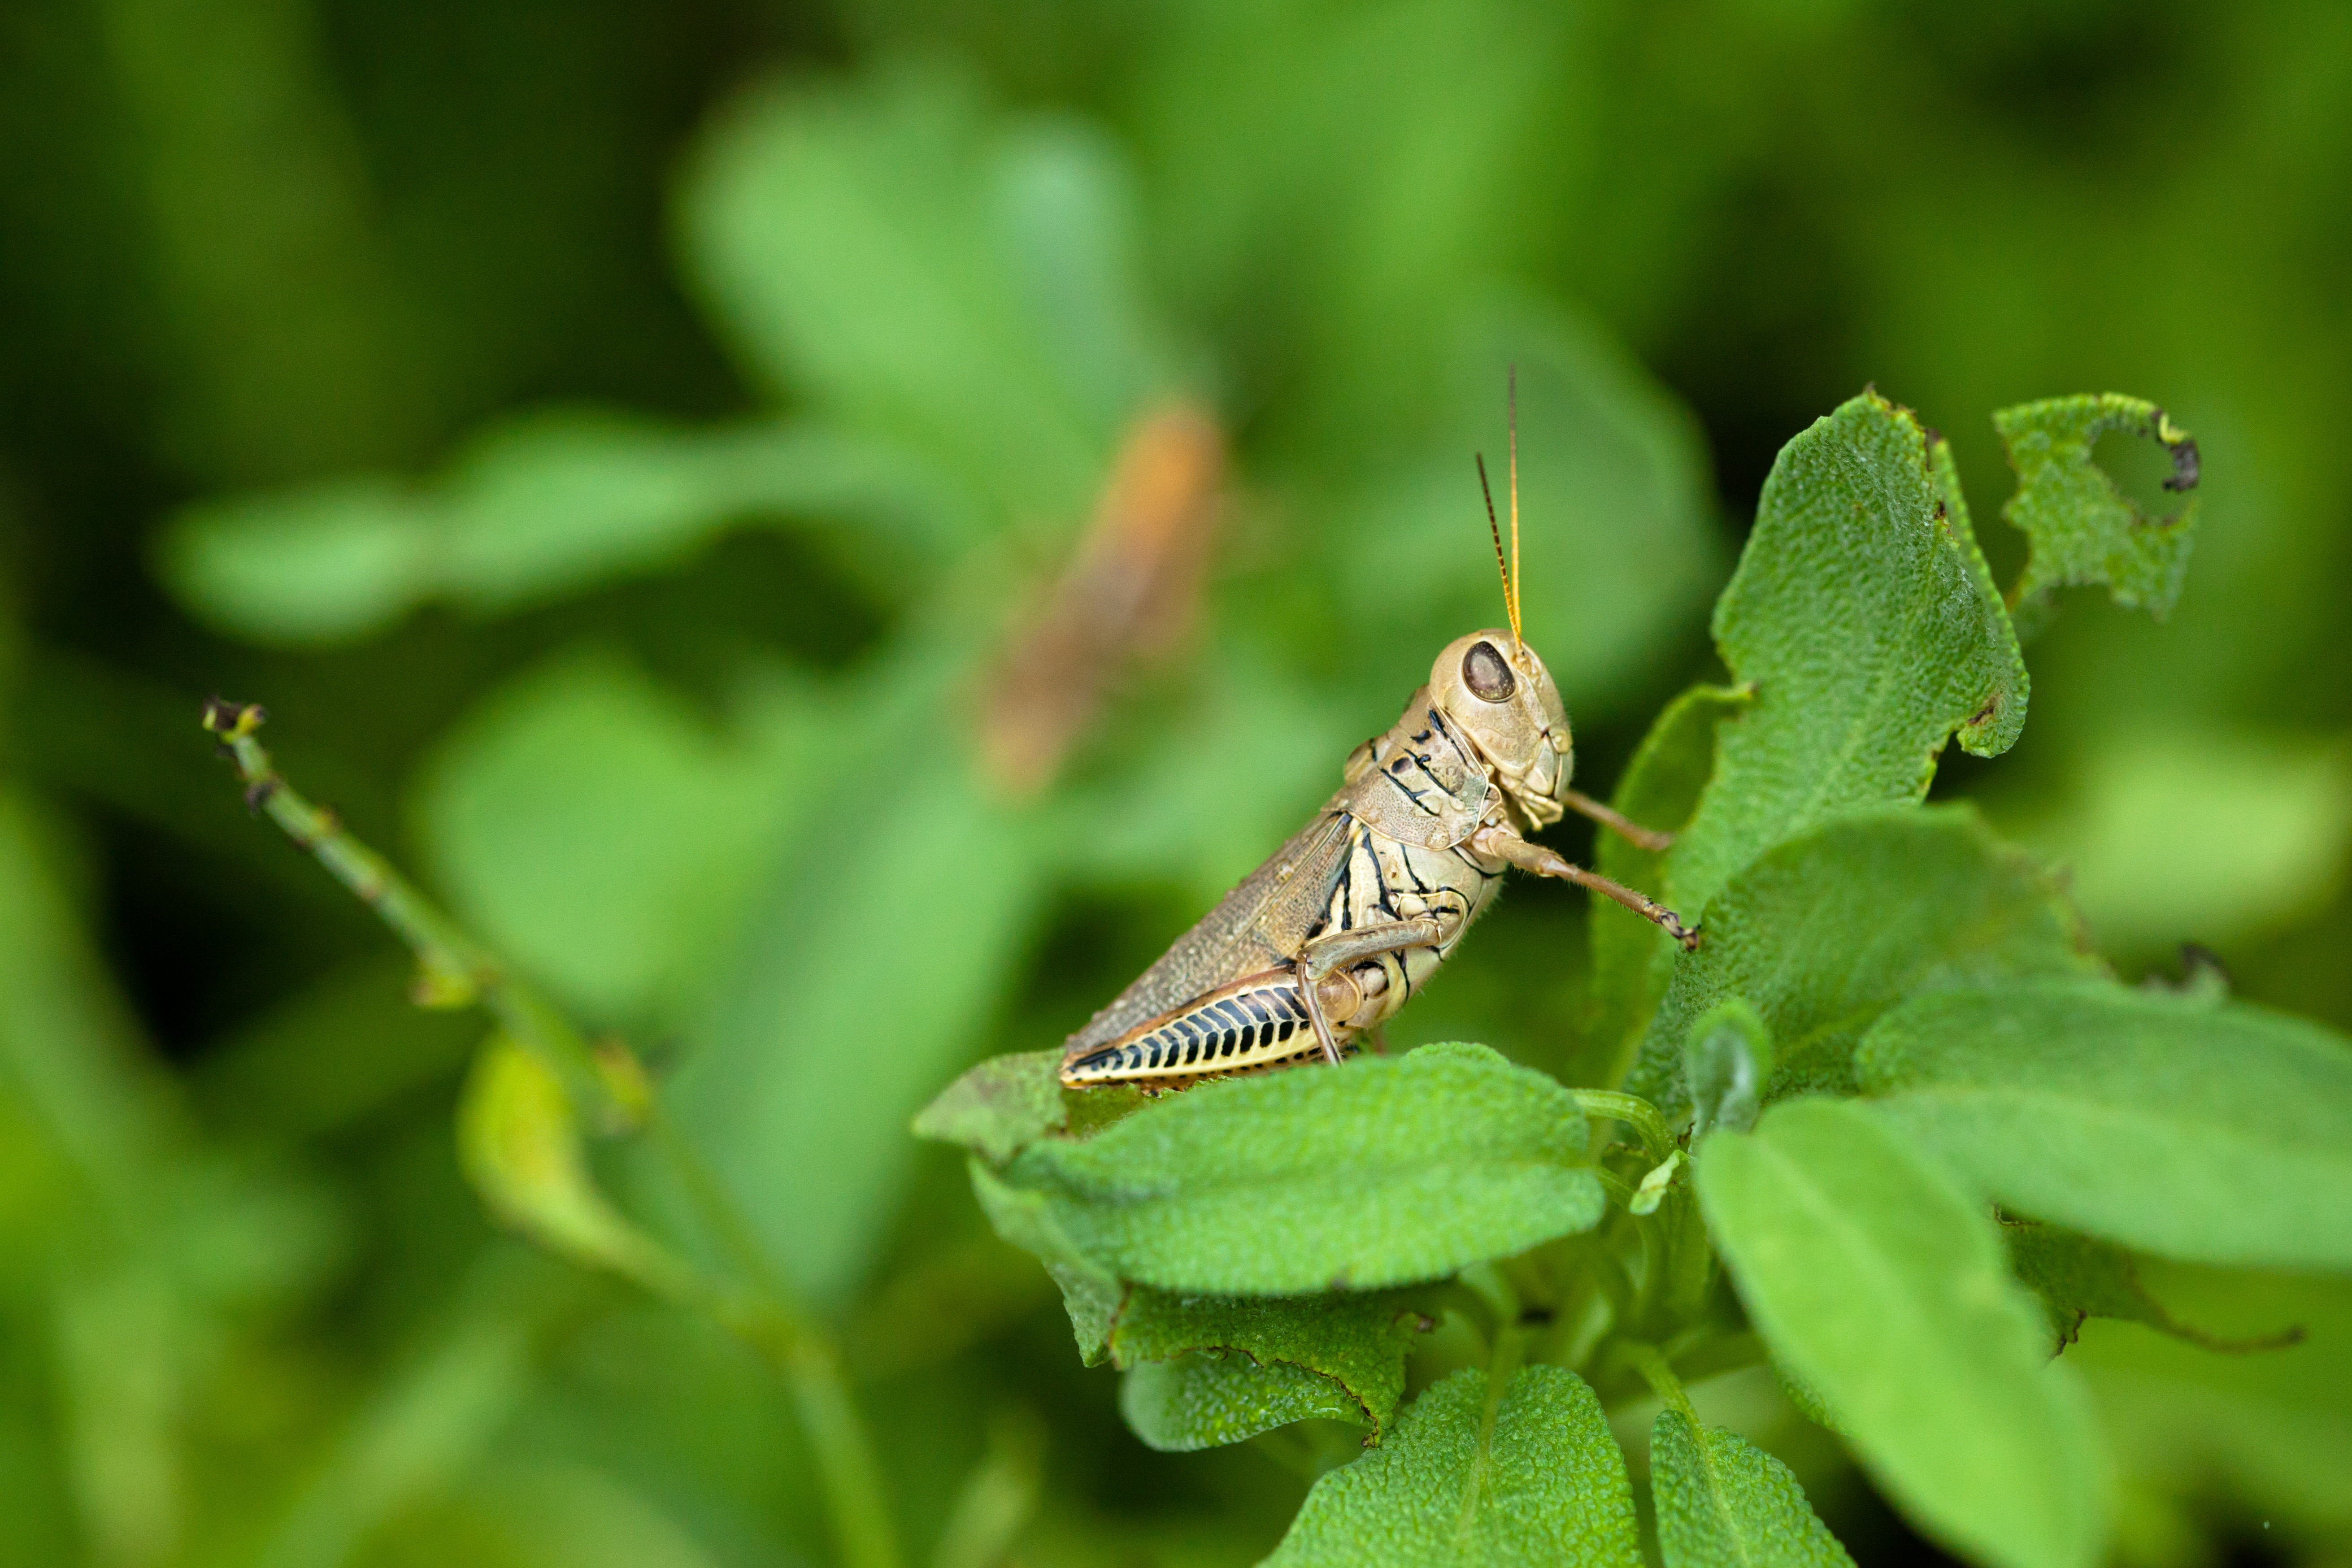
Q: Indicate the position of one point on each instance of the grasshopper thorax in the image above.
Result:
(1492, 689)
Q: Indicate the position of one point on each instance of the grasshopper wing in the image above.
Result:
(1260, 925)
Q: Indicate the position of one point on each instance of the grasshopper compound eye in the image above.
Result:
(1487, 674)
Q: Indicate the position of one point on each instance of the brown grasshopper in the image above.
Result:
(1330, 937)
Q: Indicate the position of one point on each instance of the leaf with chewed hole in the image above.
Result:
(1379, 1172)
(1476, 1476)
(1865, 618)
(2082, 527)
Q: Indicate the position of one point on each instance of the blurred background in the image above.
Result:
(829, 533)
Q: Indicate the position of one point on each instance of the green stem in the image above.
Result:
(1659, 1377)
(1690, 1258)
(1657, 1138)
(455, 970)
(1655, 1254)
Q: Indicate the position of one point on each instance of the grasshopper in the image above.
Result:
(1325, 942)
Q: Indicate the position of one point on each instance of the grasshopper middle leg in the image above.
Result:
(1325, 955)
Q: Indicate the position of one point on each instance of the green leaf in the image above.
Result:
(592, 827)
(1727, 1063)
(1863, 616)
(550, 505)
(519, 1144)
(2079, 1277)
(2217, 1133)
(324, 563)
(1475, 1475)
(1203, 1398)
(1722, 1502)
(921, 268)
(1329, 183)
(1883, 1286)
(430, 1421)
(875, 957)
(1379, 1172)
(2082, 527)
(1000, 1107)
(1354, 1343)
(2271, 1433)
(2171, 826)
(1092, 1303)
(1828, 931)
(1632, 959)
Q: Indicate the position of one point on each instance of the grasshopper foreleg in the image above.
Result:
(1617, 822)
(1325, 955)
(1503, 845)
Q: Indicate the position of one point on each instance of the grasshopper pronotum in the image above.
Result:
(1330, 937)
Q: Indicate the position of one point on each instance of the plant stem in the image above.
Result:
(1657, 1138)
(1660, 1377)
(453, 970)
(456, 971)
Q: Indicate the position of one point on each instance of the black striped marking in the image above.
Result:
(1235, 1027)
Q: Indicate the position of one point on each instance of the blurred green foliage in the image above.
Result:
(615, 440)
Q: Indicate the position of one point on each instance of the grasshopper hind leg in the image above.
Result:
(1260, 1021)
(1273, 1018)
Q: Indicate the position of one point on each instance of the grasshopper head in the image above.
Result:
(1492, 689)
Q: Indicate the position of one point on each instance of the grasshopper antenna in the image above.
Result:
(1511, 578)
(1496, 528)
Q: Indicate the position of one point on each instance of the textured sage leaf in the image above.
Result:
(1476, 1476)
(2081, 527)
(1379, 1172)
(1865, 617)
(520, 1146)
(544, 507)
(1354, 1341)
(1632, 959)
(1000, 1107)
(1727, 1063)
(1883, 1285)
(1201, 1399)
(1826, 931)
(2220, 1134)
(2079, 1277)
(1723, 1502)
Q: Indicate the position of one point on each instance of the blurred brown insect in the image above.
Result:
(1330, 937)
(1130, 590)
